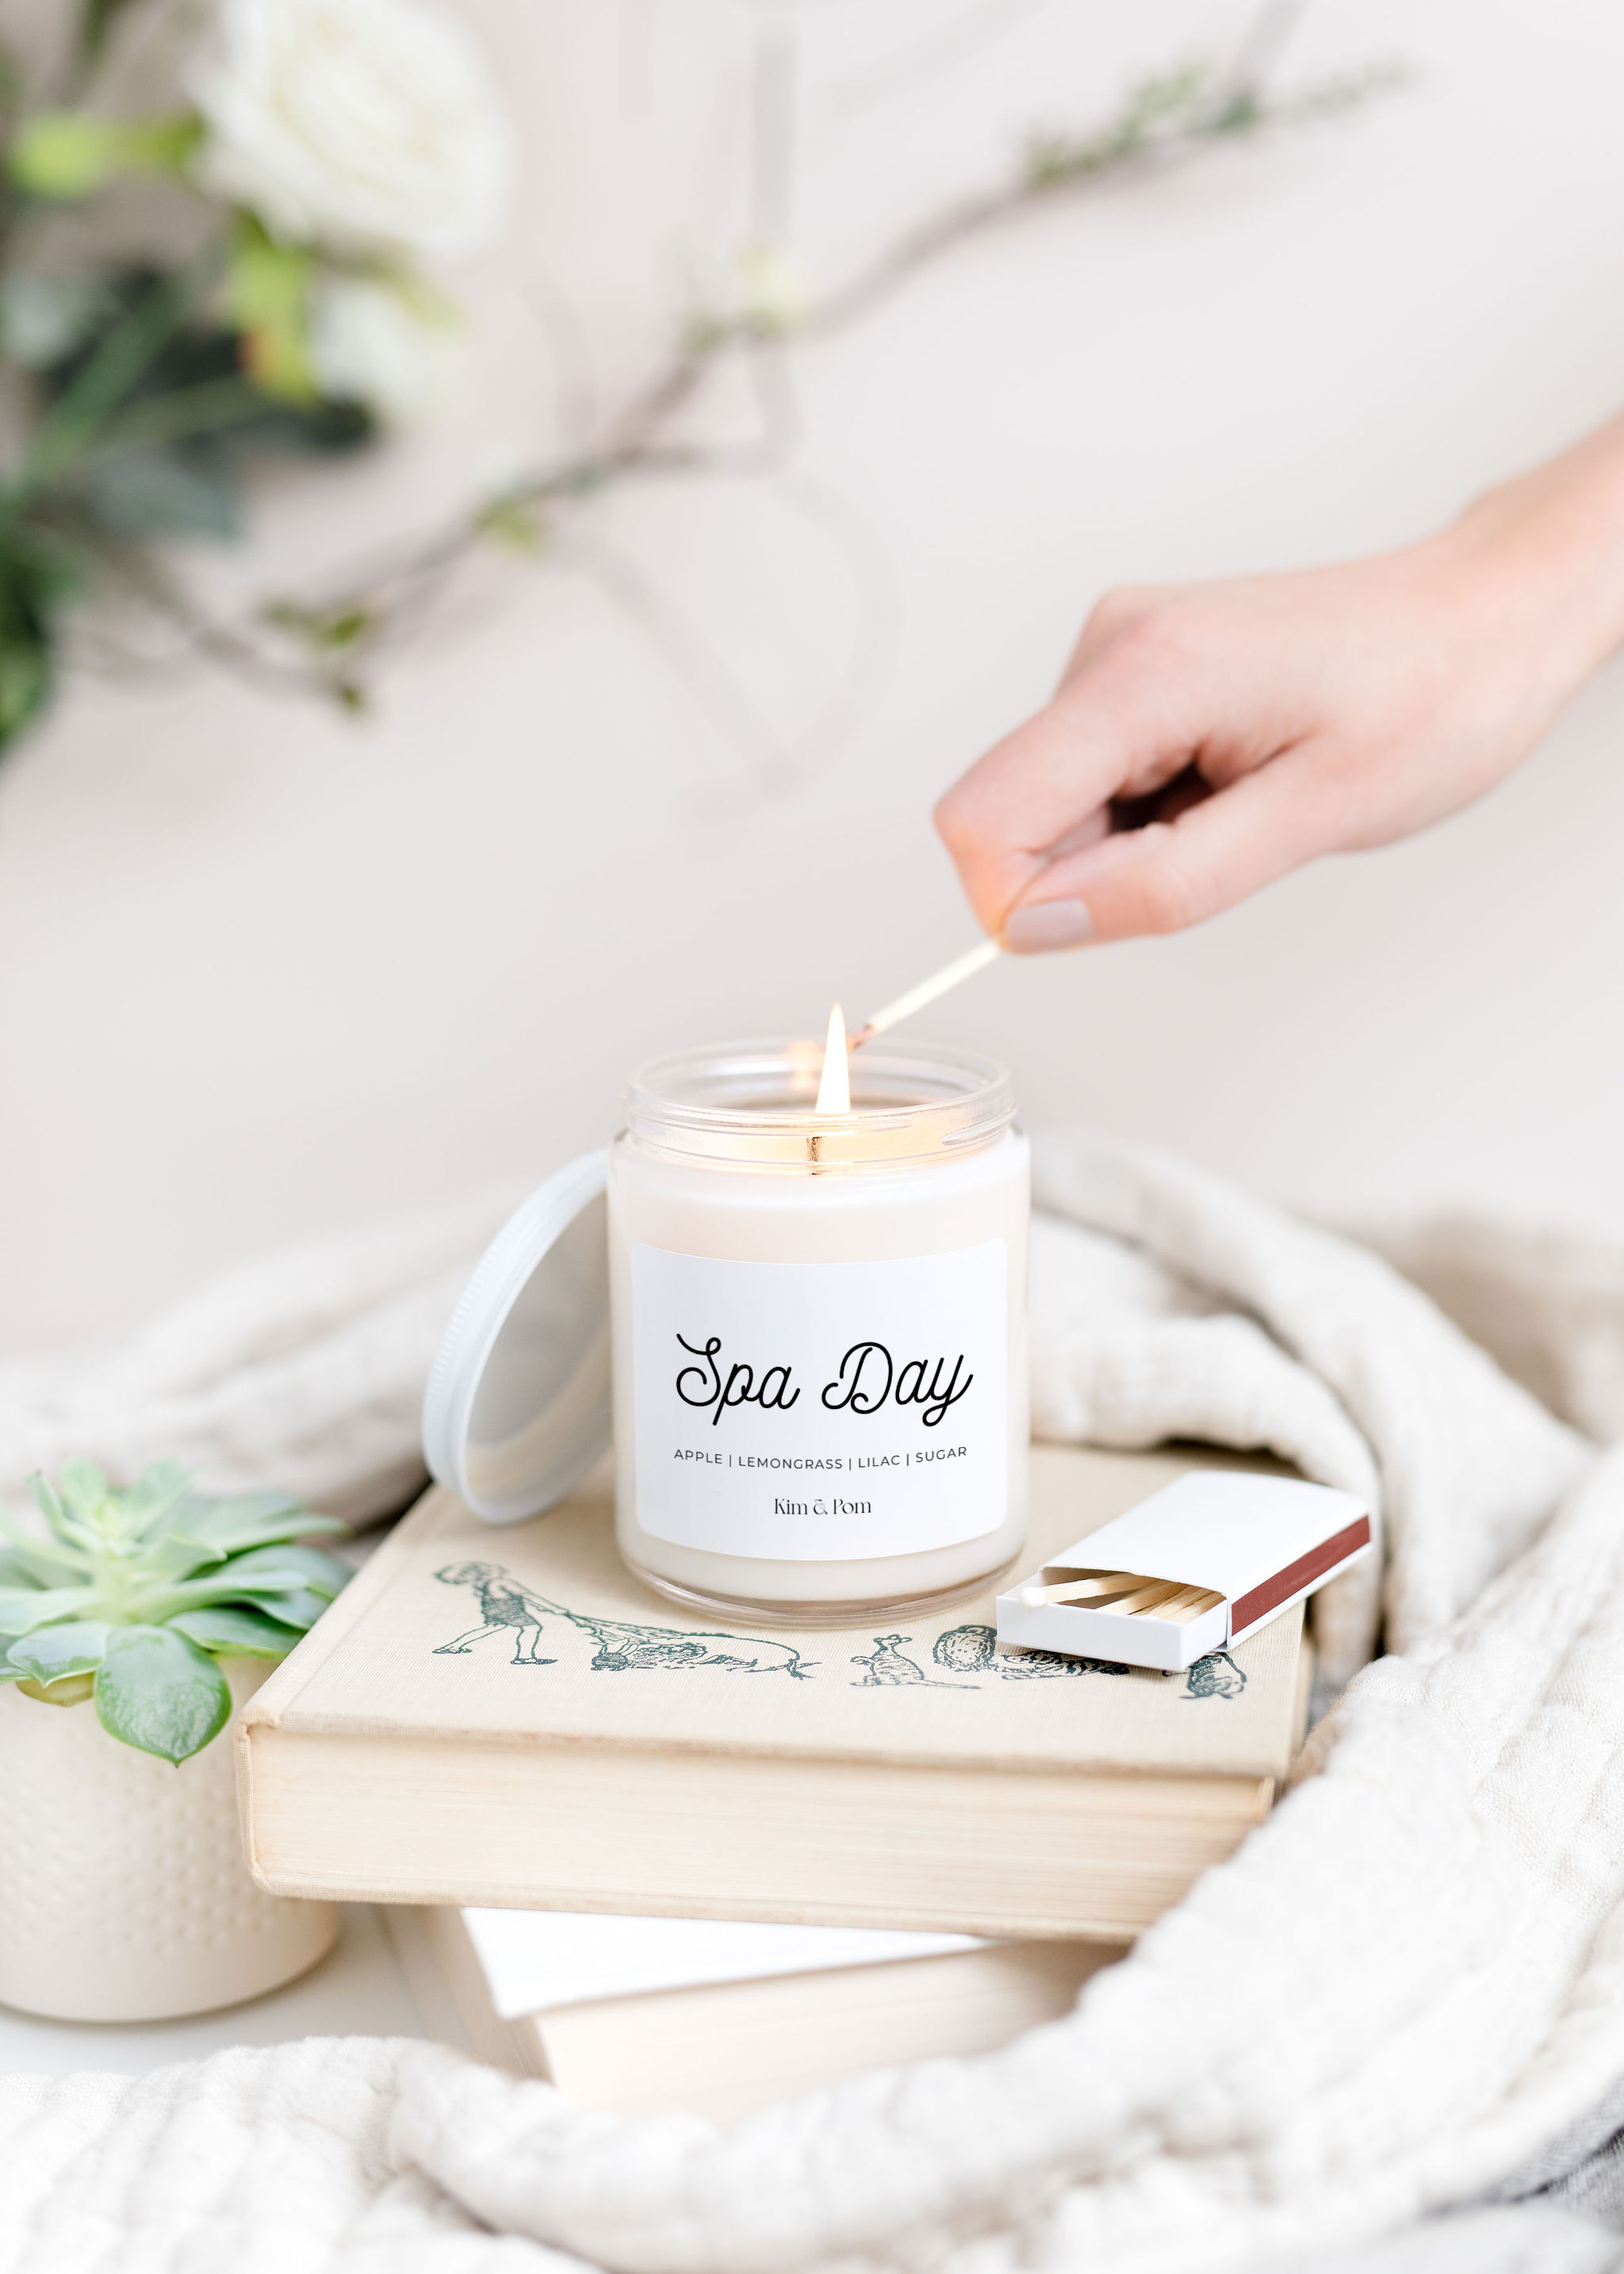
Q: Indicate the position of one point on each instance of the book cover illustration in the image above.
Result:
(508, 1607)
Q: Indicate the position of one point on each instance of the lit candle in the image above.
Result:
(835, 1084)
(818, 1271)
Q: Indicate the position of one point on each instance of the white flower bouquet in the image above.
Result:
(333, 156)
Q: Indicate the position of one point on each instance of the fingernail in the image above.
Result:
(1047, 925)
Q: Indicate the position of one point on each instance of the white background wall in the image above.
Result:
(264, 974)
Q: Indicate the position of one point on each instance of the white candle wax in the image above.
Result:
(820, 1331)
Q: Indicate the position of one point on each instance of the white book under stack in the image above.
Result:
(1196, 1568)
(641, 2016)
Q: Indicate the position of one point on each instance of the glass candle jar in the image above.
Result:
(819, 1331)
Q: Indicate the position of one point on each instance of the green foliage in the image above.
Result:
(1185, 100)
(267, 297)
(156, 387)
(43, 319)
(63, 156)
(149, 418)
(62, 153)
(158, 1692)
(147, 493)
(513, 520)
(331, 640)
(131, 1596)
(38, 575)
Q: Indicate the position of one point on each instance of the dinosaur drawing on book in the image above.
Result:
(507, 1604)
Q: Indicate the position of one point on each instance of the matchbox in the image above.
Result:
(1196, 1566)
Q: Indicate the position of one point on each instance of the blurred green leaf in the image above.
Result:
(312, 1566)
(32, 1561)
(46, 1499)
(151, 314)
(26, 677)
(83, 1489)
(163, 145)
(267, 298)
(176, 1557)
(155, 1497)
(43, 319)
(22, 1609)
(258, 1520)
(515, 521)
(96, 19)
(158, 1692)
(35, 582)
(158, 494)
(326, 631)
(63, 155)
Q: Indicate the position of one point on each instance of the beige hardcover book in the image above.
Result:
(722, 2049)
(507, 1717)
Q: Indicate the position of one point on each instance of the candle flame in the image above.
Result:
(835, 1090)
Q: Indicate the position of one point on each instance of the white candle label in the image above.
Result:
(819, 1412)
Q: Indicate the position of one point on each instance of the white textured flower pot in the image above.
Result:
(123, 1893)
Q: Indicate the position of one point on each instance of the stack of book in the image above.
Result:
(507, 1720)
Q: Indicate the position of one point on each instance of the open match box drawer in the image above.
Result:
(1195, 1568)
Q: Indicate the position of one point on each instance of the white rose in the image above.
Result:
(368, 344)
(368, 127)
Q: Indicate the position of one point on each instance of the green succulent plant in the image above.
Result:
(133, 1596)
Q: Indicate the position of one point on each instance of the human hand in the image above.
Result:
(1207, 738)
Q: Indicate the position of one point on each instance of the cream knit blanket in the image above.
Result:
(1403, 1992)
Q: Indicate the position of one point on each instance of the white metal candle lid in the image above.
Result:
(518, 1406)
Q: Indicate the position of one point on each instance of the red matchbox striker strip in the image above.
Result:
(1270, 1593)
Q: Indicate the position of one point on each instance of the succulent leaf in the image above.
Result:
(77, 1647)
(158, 1692)
(83, 1488)
(163, 1580)
(310, 1567)
(160, 1604)
(24, 1609)
(155, 1496)
(46, 1499)
(176, 1556)
(258, 1520)
(65, 1524)
(298, 1606)
(231, 1632)
(27, 1561)
(71, 1690)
